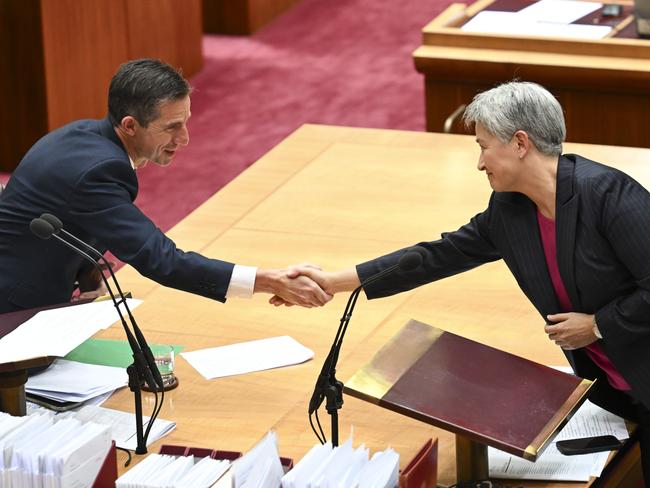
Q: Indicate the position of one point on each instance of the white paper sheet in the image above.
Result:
(122, 424)
(590, 420)
(70, 381)
(47, 452)
(57, 332)
(245, 357)
(512, 23)
(559, 11)
(344, 466)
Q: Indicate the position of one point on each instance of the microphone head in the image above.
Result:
(41, 228)
(412, 258)
(53, 220)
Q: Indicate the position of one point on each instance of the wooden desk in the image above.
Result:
(603, 85)
(336, 196)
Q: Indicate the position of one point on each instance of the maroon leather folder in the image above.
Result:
(484, 394)
(174, 450)
(108, 472)
(422, 470)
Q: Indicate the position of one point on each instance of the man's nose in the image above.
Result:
(183, 137)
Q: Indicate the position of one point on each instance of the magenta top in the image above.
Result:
(594, 350)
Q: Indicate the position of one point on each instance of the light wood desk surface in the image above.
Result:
(335, 196)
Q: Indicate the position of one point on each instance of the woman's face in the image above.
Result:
(500, 161)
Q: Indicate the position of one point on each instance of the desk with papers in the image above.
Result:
(335, 196)
(596, 66)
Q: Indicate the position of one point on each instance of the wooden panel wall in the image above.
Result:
(84, 43)
(61, 54)
(174, 36)
(23, 118)
(241, 17)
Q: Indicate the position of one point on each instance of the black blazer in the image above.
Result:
(603, 252)
(82, 174)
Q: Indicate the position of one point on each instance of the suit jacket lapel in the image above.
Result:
(523, 230)
(566, 216)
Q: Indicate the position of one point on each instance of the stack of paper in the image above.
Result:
(69, 381)
(57, 332)
(344, 467)
(170, 471)
(122, 424)
(39, 450)
(590, 420)
(260, 467)
(246, 357)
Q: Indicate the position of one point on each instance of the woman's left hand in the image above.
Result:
(571, 330)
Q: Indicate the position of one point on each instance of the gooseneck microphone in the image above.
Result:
(327, 386)
(57, 226)
(43, 228)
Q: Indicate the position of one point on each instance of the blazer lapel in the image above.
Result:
(523, 230)
(566, 216)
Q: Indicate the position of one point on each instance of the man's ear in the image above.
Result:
(522, 142)
(129, 124)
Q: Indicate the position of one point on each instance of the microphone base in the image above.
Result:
(168, 384)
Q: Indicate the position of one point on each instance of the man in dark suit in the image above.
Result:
(85, 173)
(574, 233)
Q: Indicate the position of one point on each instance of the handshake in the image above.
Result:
(304, 284)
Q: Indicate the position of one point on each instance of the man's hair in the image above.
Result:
(520, 105)
(140, 86)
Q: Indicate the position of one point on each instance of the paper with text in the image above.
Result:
(590, 420)
(58, 331)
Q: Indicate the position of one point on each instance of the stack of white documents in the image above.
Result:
(344, 467)
(159, 470)
(590, 420)
(70, 381)
(260, 467)
(122, 424)
(40, 450)
(57, 332)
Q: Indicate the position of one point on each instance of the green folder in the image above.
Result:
(106, 352)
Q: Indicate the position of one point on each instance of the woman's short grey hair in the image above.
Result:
(520, 105)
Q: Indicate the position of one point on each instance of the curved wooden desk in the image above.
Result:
(603, 85)
(336, 196)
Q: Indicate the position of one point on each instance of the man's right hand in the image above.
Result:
(330, 282)
(298, 290)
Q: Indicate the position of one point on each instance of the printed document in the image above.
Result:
(58, 331)
(590, 420)
(246, 357)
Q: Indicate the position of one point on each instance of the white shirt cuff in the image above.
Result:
(242, 282)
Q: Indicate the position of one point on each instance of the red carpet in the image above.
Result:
(343, 62)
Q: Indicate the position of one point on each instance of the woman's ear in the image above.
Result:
(522, 143)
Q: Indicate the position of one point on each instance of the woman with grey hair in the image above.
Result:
(574, 233)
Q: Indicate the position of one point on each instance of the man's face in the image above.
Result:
(159, 141)
(499, 160)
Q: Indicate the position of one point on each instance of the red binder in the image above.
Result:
(173, 450)
(422, 470)
(108, 472)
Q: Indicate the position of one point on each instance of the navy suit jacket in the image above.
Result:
(603, 253)
(82, 174)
